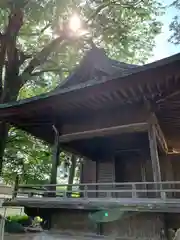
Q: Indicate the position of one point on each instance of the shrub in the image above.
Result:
(13, 227)
(24, 220)
(16, 223)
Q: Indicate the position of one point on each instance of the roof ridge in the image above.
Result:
(94, 65)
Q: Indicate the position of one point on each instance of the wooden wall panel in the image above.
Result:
(105, 174)
(72, 221)
(106, 171)
(133, 171)
(89, 175)
(148, 170)
(140, 226)
(89, 171)
(175, 161)
(166, 168)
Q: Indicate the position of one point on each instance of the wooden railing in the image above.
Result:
(132, 190)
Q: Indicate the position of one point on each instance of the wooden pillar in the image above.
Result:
(89, 176)
(71, 173)
(55, 157)
(81, 170)
(154, 154)
(143, 177)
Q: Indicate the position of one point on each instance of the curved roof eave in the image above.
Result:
(90, 83)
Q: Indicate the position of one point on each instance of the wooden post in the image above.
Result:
(81, 170)
(143, 172)
(71, 174)
(55, 160)
(143, 177)
(154, 155)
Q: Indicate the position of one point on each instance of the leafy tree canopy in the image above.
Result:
(28, 157)
(175, 25)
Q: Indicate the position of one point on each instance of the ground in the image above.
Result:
(47, 236)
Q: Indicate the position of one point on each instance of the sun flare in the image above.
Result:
(75, 23)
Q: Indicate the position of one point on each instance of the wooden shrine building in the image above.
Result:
(125, 121)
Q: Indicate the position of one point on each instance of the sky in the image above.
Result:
(163, 48)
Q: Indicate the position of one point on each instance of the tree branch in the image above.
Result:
(55, 70)
(11, 86)
(98, 10)
(37, 33)
(13, 28)
(23, 57)
(41, 57)
(109, 3)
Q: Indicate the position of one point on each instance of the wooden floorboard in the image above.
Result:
(127, 204)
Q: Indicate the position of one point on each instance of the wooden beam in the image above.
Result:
(166, 98)
(134, 127)
(161, 141)
(71, 172)
(55, 157)
(111, 116)
(154, 154)
(143, 172)
(159, 134)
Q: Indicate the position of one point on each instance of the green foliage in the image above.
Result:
(18, 218)
(16, 223)
(175, 25)
(28, 157)
(126, 29)
(13, 227)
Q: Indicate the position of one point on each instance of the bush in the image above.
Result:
(16, 223)
(13, 227)
(17, 218)
(24, 220)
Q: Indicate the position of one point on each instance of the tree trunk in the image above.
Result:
(71, 172)
(10, 81)
(16, 185)
(8, 95)
(4, 128)
(3, 137)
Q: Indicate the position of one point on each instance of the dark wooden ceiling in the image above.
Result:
(100, 148)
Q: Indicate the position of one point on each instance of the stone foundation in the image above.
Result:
(72, 221)
(138, 226)
(145, 226)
